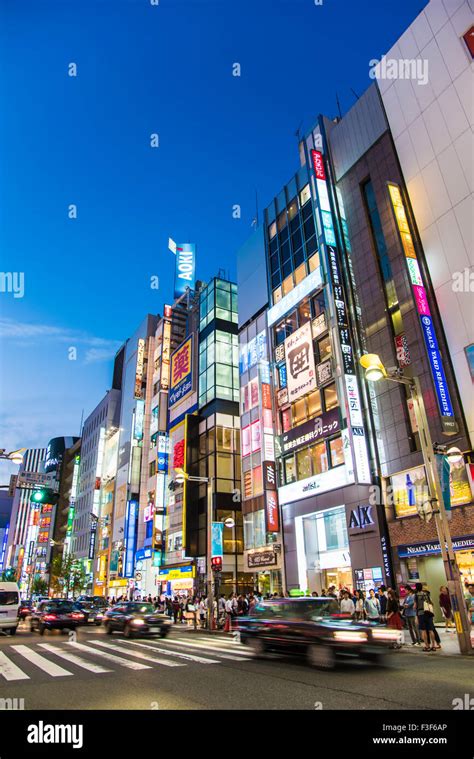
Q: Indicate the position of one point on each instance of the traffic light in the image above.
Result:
(44, 495)
(216, 563)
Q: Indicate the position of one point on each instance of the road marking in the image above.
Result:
(74, 659)
(9, 670)
(47, 666)
(189, 657)
(138, 654)
(109, 657)
(226, 653)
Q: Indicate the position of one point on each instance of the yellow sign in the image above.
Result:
(402, 221)
(118, 583)
(181, 363)
(177, 573)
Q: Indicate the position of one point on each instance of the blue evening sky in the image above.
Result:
(144, 69)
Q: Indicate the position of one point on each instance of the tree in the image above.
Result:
(67, 575)
(8, 575)
(39, 586)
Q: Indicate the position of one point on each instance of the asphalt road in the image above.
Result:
(192, 670)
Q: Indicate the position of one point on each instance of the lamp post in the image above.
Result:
(374, 371)
(180, 478)
(16, 457)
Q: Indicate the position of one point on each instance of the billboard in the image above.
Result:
(181, 383)
(299, 357)
(185, 268)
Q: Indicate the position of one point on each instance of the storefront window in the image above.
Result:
(330, 397)
(319, 458)
(303, 461)
(290, 470)
(326, 550)
(337, 452)
(314, 403)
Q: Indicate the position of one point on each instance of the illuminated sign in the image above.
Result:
(176, 573)
(93, 535)
(300, 362)
(163, 452)
(130, 540)
(318, 483)
(165, 356)
(217, 541)
(139, 418)
(185, 268)
(433, 547)
(256, 435)
(271, 511)
(139, 369)
(429, 335)
(311, 431)
(181, 385)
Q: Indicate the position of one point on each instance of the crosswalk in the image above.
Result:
(98, 656)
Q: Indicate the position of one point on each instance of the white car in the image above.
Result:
(9, 605)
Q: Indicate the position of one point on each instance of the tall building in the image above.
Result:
(263, 539)
(33, 461)
(6, 506)
(98, 426)
(68, 484)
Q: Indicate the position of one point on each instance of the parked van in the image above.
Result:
(9, 605)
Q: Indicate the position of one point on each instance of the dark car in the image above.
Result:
(135, 619)
(55, 614)
(93, 615)
(25, 609)
(314, 628)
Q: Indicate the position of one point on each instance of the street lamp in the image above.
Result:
(14, 456)
(374, 371)
(181, 477)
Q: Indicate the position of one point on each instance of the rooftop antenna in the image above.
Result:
(82, 419)
(355, 94)
(338, 106)
(255, 219)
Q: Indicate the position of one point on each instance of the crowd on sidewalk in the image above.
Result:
(411, 609)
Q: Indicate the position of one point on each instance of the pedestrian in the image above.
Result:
(445, 606)
(409, 613)
(332, 592)
(469, 598)
(176, 609)
(372, 607)
(382, 597)
(347, 604)
(394, 620)
(425, 615)
(359, 605)
(202, 612)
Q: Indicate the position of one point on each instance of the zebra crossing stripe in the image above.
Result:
(237, 654)
(109, 657)
(74, 659)
(189, 657)
(9, 670)
(138, 654)
(39, 661)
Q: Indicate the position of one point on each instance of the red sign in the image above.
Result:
(178, 455)
(271, 511)
(266, 396)
(168, 312)
(318, 165)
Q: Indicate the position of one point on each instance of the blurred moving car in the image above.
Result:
(9, 605)
(55, 614)
(25, 608)
(314, 628)
(136, 619)
(92, 614)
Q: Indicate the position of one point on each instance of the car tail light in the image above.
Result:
(50, 617)
(77, 615)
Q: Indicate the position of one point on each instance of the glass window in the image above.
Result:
(288, 285)
(314, 403)
(300, 273)
(304, 312)
(293, 208)
(290, 469)
(225, 467)
(299, 411)
(330, 397)
(305, 195)
(336, 450)
(257, 481)
(281, 221)
(311, 246)
(272, 230)
(309, 229)
(319, 457)
(286, 419)
(277, 295)
(303, 462)
(324, 348)
(313, 262)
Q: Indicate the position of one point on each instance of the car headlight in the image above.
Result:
(137, 622)
(390, 635)
(351, 636)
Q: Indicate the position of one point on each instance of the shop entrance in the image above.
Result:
(323, 551)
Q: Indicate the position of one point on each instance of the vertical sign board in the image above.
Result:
(185, 268)
(217, 539)
(181, 384)
(359, 442)
(299, 356)
(139, 369)
(419, 293)
(130, 533)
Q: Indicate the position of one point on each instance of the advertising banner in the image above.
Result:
(217, 539)
(301, 374)
(311, 431)
(181, 383)
(185, 268)
(271, 511)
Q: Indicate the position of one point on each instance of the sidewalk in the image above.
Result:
(449, 643)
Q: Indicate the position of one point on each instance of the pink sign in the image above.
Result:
(421, 300)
